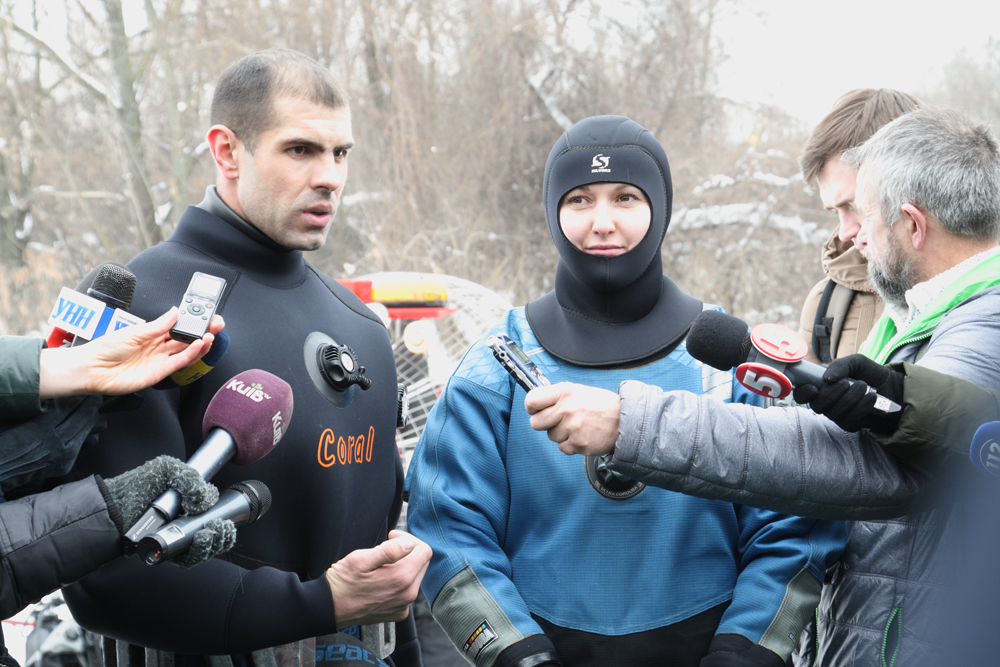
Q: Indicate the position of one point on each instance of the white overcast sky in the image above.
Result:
(801, 54)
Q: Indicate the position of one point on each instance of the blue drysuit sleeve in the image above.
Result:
(459, 501)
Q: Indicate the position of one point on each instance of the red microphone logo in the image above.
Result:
(775, 342)
(778, 342)
(763, 380)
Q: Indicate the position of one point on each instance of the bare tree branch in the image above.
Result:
(88, 82)
(536, 81)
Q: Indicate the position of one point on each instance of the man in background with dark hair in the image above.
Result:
(280, 138)
(841, 309)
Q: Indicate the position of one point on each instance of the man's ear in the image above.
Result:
(915, 223)
(226, 150)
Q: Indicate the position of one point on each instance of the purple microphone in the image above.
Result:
(244, 421)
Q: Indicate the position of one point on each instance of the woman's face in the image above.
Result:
(605, 219)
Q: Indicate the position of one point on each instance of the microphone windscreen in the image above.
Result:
(217, 351)
(200, 368)
(113, 284)
(985, 449)
(61, 338)
(719, 340)
(255, 408)
(88, 280)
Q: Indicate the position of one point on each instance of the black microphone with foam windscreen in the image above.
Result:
(243, 422)
(114, 286)
(767, 360)
(719, 340)
(242, 503)
(59, 337)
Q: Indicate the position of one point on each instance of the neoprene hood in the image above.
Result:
(610, 310)
(617, 150)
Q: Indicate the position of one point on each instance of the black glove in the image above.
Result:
(848, 405)
(532, 651)
(732, 650)
(131, 493)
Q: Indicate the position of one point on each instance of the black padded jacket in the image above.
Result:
(52, 539)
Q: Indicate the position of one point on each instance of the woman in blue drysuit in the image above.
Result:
(542, 560)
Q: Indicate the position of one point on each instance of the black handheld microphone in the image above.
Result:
(114, 285)
(243, 422)
(242, 503)
(58, 337)
(768, 361)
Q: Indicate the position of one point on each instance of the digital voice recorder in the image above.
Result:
(516, 362)
(200, 301)
(610, 484)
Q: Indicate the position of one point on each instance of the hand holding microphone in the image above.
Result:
(130, 493)
(243, 422)
(194, 539)
(768, 360)
(845, 397)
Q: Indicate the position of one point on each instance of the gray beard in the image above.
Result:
(894, 279)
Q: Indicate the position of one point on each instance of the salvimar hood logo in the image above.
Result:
(600, 164)
(255, 391)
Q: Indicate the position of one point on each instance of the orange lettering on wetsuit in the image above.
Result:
(325, 456)
(355, 449)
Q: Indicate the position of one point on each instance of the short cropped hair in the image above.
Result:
(856, 116)
(939, 161)
(245, 93)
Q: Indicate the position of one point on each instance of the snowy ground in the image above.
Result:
(17, 628)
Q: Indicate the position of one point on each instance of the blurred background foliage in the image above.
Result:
(104, 106)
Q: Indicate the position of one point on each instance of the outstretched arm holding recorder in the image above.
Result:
(85, 519)
(121, 362)
(49, 398)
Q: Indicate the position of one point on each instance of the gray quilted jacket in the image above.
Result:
(882, 603)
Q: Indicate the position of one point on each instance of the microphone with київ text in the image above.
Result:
(243, 422)
(768, 360)
(242, 503)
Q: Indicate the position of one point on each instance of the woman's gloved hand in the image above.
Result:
(130, 494)
(848, 405)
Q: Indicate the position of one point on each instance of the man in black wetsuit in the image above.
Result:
(280, 138)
